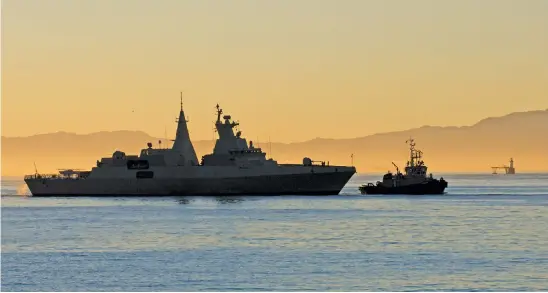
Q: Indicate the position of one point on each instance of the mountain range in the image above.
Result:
(522, 136)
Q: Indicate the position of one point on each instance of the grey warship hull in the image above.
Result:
(294, 184)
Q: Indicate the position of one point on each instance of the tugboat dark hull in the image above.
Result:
(430, 187)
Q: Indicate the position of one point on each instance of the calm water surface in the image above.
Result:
(489, 233)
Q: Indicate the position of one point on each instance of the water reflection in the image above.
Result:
(229, 199)
(184, 200)
(218, 199)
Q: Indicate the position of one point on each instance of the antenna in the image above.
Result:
(165, 136)
(181, 101)
(219, 112)
(411, 142)
(397, 169)
(35, 169)
(269, 147)
(352, 160)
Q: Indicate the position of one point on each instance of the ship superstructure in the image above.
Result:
(234, 167)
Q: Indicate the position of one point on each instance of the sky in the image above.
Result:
(286, 70)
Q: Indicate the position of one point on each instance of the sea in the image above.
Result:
(487, 233)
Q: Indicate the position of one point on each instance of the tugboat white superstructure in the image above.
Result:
(234, 168)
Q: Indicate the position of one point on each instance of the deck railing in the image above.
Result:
(42, 176)
(53, 176)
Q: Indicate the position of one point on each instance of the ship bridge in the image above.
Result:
(231, 148)
(228, 141)
(415, 165)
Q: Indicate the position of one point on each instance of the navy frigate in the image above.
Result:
(235, 167)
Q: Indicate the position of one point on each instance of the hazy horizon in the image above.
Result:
(489, 142)
(337, 69)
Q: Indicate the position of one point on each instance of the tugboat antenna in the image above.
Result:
(411, 142)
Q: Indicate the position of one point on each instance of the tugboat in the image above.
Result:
(415, 181)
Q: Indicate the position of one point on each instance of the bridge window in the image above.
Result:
(137, 164)
(145, 174)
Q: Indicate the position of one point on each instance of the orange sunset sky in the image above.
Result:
(292, 70)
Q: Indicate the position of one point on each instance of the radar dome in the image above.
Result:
(307, 161)
(118, 155)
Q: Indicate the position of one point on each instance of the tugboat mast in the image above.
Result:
(414, 154)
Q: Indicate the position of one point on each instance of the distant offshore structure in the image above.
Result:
(507, 169)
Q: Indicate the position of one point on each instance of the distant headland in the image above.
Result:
(489, 142)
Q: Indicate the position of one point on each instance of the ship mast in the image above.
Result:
(219, 112)
(412, 155)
